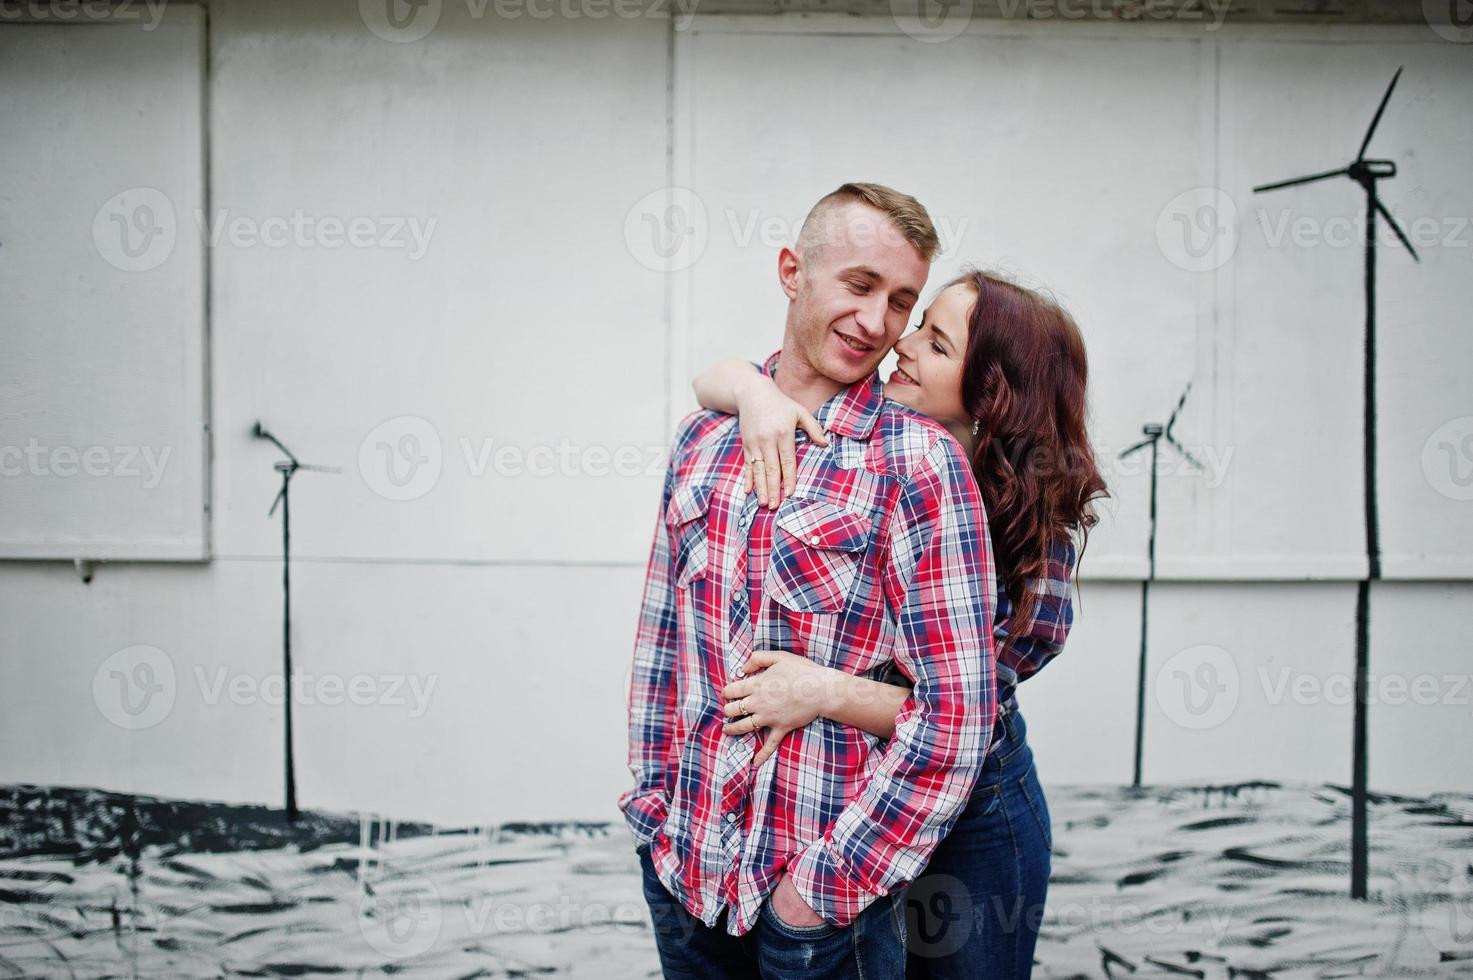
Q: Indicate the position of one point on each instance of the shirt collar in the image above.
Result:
(852, 412)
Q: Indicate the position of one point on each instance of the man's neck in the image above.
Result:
(797, 379)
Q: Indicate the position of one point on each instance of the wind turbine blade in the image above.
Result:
(1137, 447)
(1171, 424)
(1381, 208)
(1302, 180)
(1177, 411)
(1183, 450)
(1377, 117)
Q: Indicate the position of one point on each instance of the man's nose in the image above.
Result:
(871, 316)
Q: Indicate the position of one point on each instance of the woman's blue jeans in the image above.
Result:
(976, 910)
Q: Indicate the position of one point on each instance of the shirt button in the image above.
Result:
(731, 818)
(813, 540)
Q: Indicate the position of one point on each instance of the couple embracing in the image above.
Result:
(848, 580)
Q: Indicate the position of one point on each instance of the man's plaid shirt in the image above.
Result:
(880, 558)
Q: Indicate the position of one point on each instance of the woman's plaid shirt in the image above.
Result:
(880, 558)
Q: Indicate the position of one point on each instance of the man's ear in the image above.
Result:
(789, 268)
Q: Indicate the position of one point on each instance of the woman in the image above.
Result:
(1004, 370)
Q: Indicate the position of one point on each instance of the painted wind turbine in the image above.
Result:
(287, 468)
(1154, 432)
(1367, 173)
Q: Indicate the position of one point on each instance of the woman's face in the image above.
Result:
(929, 375)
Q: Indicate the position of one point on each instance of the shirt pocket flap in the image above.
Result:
(688, 502)
(820, 524)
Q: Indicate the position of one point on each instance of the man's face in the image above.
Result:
(853, 295)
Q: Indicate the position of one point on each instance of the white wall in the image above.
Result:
(103, 410)
(540, 314)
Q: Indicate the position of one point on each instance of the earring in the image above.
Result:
(976, 425)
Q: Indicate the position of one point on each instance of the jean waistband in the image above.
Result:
(1009, 739)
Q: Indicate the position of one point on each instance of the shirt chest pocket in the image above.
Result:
(688, 521)
(817, 548)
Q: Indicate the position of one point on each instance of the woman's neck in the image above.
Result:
(962, 432)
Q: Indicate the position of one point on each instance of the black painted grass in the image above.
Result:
(1245, 881)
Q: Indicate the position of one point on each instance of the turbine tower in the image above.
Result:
(1154, 432)
(1367, 173)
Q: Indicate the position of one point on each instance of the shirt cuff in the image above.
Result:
(645, 813)
(827, 885)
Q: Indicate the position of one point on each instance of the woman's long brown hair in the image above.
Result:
(1024, 378)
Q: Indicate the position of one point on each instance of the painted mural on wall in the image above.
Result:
(1245, 880)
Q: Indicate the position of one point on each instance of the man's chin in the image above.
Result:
(847, 372)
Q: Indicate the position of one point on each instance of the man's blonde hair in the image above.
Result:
(903, 211)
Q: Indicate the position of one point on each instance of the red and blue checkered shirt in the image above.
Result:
(879, 558)
(1033, 643)
(1040, 639)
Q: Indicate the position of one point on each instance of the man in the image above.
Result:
(879, 559)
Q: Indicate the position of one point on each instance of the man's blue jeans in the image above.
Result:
(976, 910)
(872, 947)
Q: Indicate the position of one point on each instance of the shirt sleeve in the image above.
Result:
(652, 687)
(940, 584)
(1023, 649)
